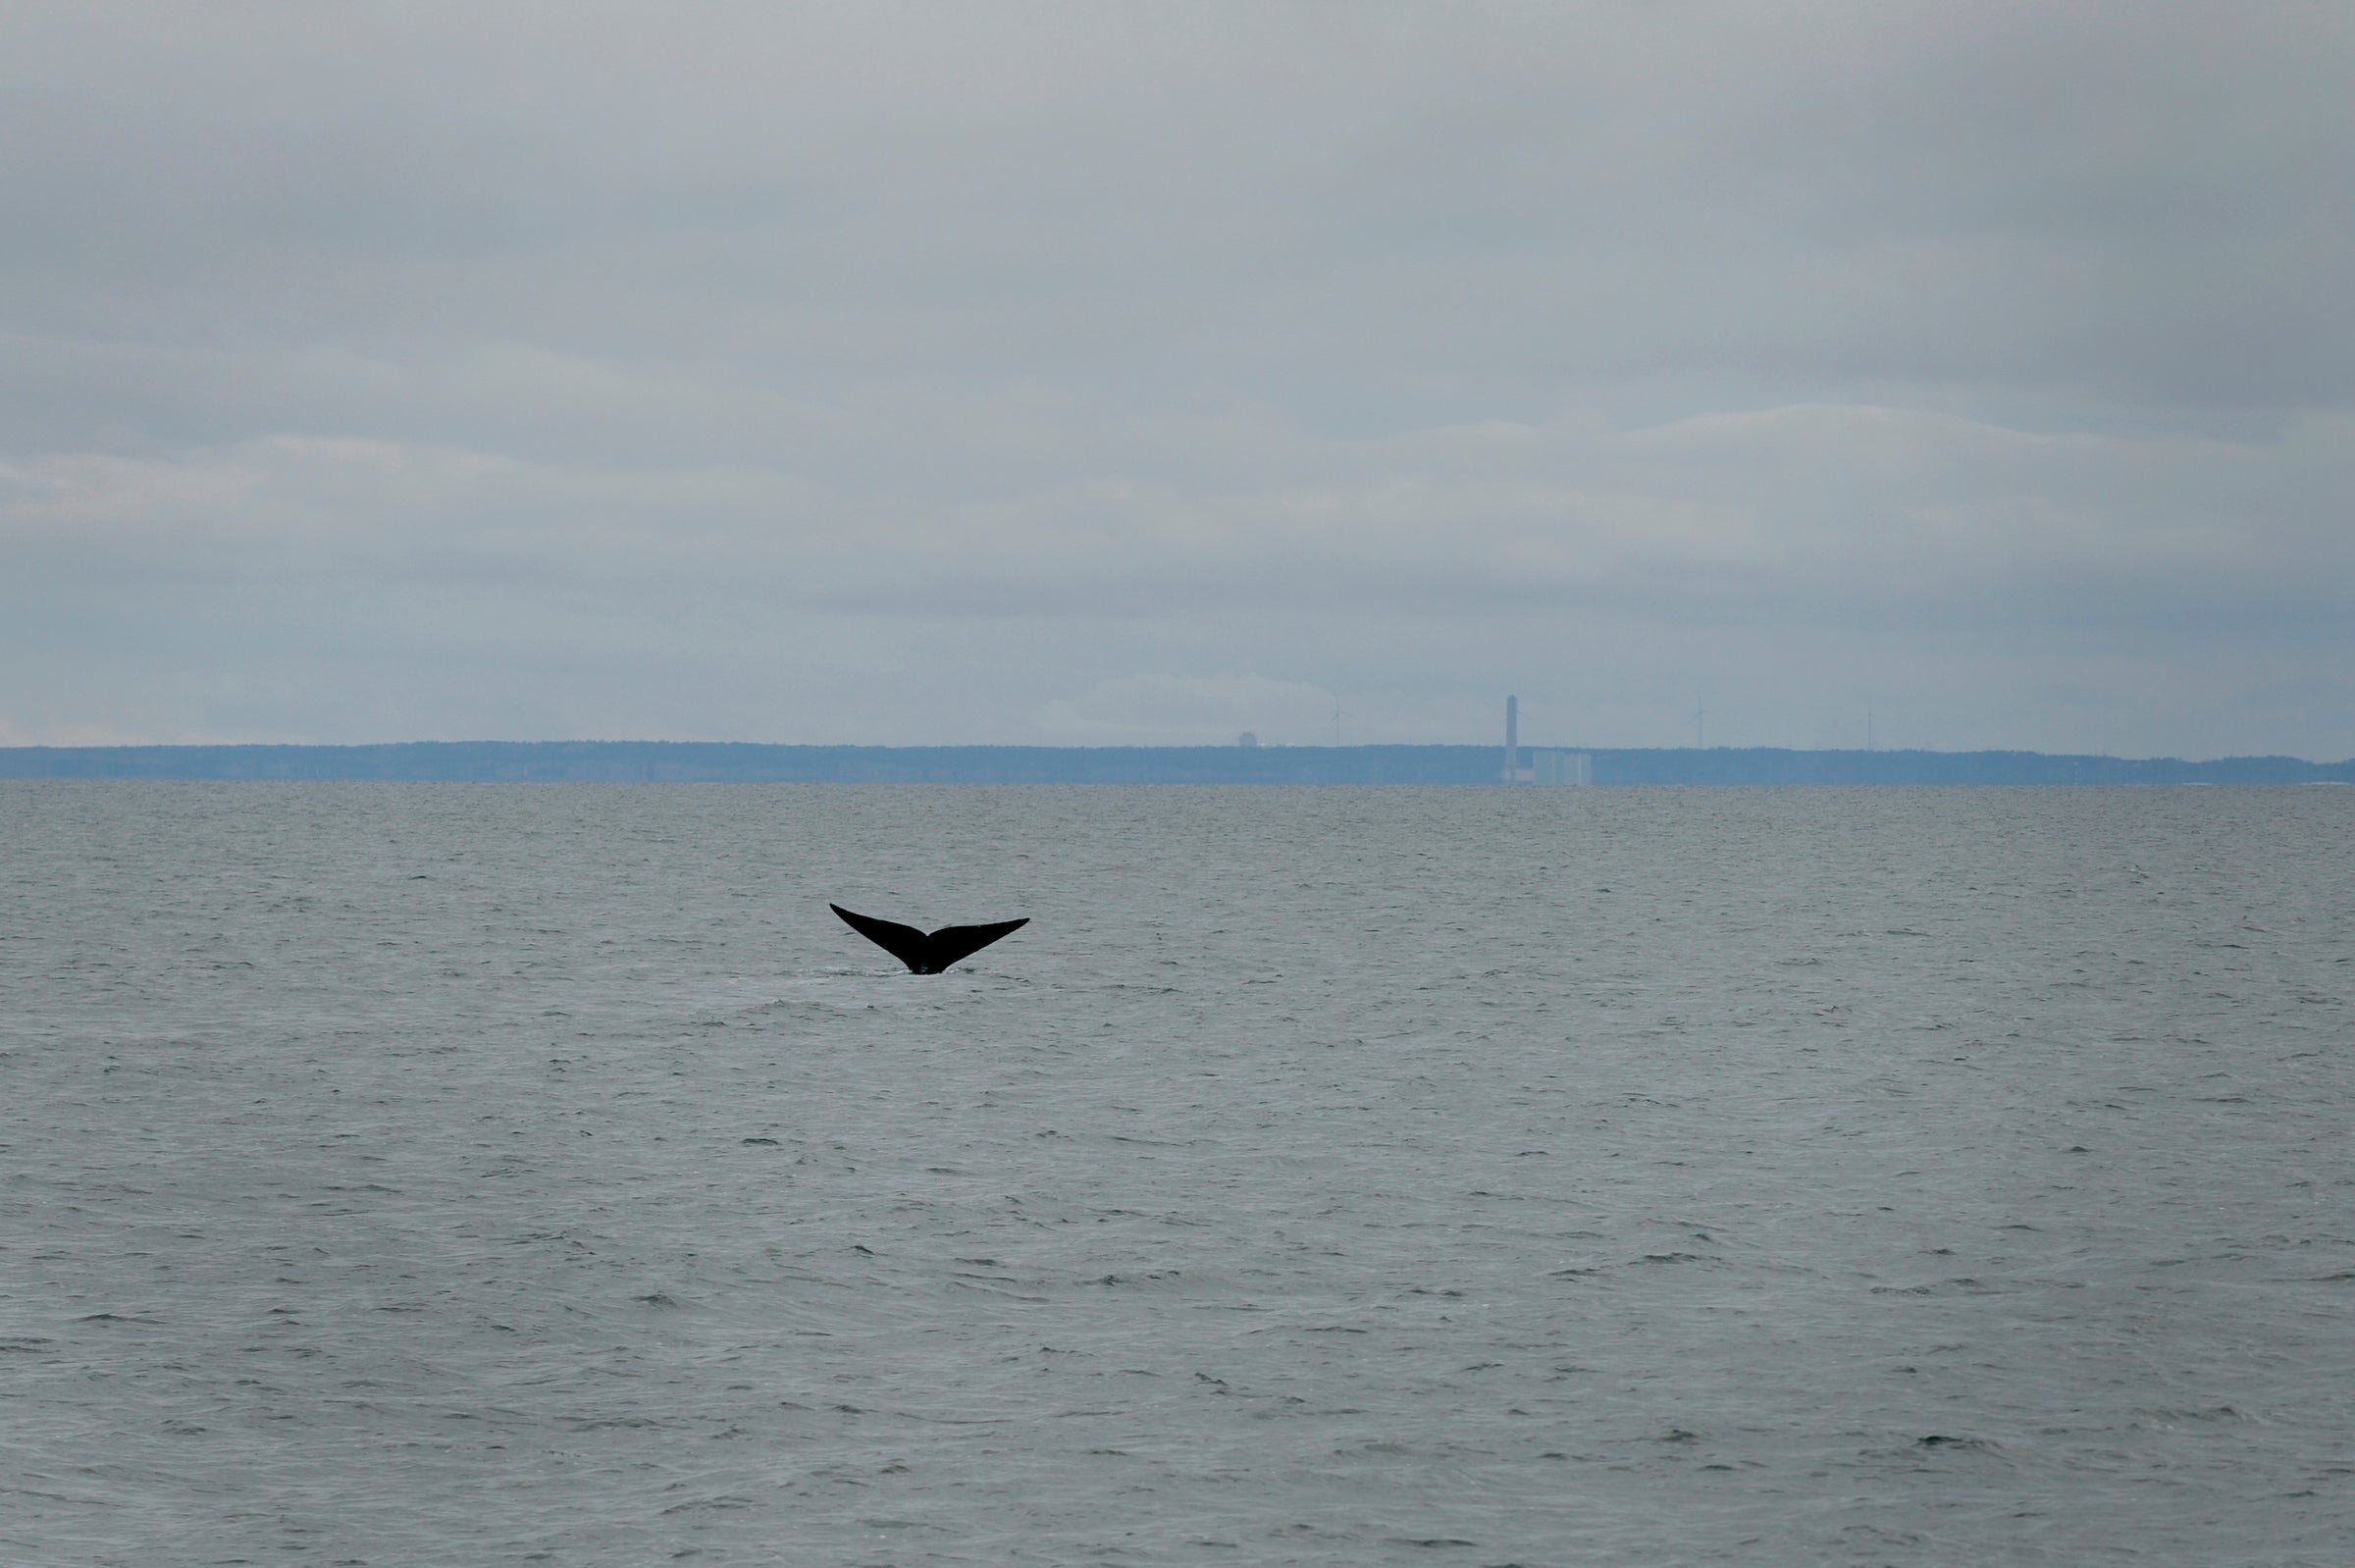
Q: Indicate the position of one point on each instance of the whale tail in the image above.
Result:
(927, 953)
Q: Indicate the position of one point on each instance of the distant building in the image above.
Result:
(1246, 739)
(1543, 767)
(1560, 767)
(1514, 772)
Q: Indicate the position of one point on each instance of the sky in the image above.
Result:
(1144, 373)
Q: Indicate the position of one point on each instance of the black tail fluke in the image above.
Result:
(926, 955)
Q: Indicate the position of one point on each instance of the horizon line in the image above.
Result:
(1167, 746)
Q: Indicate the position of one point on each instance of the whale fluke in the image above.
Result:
(927, 954)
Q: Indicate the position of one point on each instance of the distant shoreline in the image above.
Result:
(745, 762)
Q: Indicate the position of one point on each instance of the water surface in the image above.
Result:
(458, 1174)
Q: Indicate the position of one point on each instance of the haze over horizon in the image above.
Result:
(1064, 375)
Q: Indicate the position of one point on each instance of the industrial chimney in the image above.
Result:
(1512, 740)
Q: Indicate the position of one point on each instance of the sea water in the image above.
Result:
(452, 1174)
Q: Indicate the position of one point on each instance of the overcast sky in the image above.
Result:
(1125, 372)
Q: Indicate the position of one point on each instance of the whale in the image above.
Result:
(927, 953)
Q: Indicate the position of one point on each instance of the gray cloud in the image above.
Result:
(1037, 373)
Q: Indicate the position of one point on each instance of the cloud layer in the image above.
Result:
(1067, 374)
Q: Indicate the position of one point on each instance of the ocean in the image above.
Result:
(406, 1173)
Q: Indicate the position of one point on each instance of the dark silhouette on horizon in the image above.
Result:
(927, 954)
(741, 763)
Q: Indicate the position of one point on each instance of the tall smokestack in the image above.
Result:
(1512, 738)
